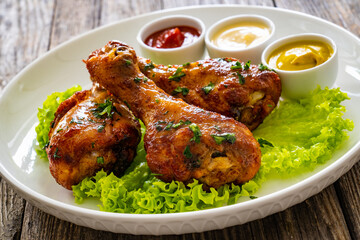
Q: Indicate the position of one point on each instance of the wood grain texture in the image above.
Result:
(29, 28)
(24, 28)
(74, 18)
(24, 35)
(345, 14)
(348, 190)
(11, 214)
(120, 9)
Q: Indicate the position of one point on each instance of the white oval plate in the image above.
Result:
(62, 68)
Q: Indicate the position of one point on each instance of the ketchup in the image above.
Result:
(173, 37)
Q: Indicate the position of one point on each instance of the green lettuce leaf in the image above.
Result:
(298, 136)
(46, 116)
(304, 133)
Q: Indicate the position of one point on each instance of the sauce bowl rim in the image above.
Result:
(140, 36)
(224, 22)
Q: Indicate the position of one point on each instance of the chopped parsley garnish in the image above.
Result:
(187, 152)
(128, 62)
(229, 137)
(92, 145)
(153, 75)
(100, 160)
(241, 78)
(75, 121)
(263, 67)
(196, 131)
(90, 120)
(253, 197)
(137, 80)
(169, 125)
(247, 65)
(101, 128)
(127, 104)
(181, 122)
(270, 106)
(225, 59)
(177, 75)
(187, 122)
(157, 125)
(208, 88)
(59, 130)
(182, 90)
(157, 100)
(236, 66)
(55, 154)
(104, 108)
(264, 143)
(217, 128)
(186, 64)
(165, 112)
(149, 66)
(199, 64)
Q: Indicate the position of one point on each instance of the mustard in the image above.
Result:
(241, 35)
(300, 55)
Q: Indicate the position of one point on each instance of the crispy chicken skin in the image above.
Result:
(212, 148)
(246, 95)
(84, 139)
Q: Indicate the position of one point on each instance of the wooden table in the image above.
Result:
(30, 28)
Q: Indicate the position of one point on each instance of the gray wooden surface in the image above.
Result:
(30, 28)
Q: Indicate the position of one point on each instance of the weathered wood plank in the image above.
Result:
(24, 28)
(344, 13)
(348, 191)
(72, 18)
(174, 3)
(11, 214)
(120, 9)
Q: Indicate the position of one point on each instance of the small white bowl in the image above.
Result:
(298, 84)
(180, 55)
(252, 53)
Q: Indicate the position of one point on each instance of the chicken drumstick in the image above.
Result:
(91, 131)
(245, 92)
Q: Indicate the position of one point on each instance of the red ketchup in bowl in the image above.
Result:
(173, 37)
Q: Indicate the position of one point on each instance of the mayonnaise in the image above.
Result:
(241, 35)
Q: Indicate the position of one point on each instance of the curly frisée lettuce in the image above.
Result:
(302, 133)
(298, 136)
(139, 191)
(46, 116)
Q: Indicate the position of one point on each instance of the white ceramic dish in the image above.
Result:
(180, 55)
(61, 68)
(252, 53)
(298, 84)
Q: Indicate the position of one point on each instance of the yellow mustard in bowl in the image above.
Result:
(241, 35)
(300, 55)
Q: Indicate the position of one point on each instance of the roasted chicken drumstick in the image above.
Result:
(91, 131)
(182, 141)
(245, 92)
